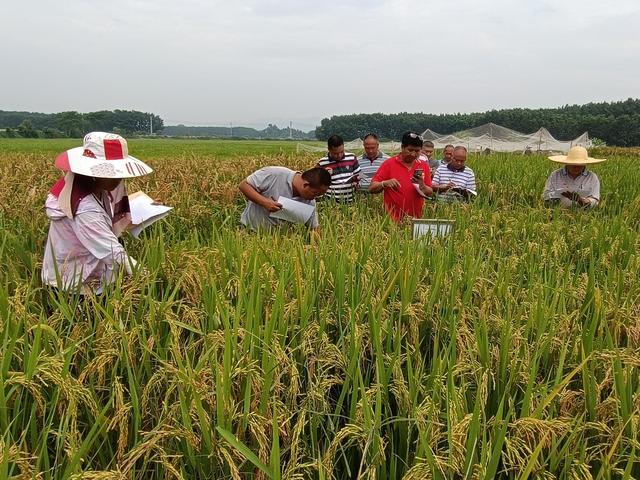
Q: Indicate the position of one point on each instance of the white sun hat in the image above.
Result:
(576, 156)
(103, 155)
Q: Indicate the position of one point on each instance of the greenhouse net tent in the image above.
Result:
(488, 136)
(502, 139)
(355, 145)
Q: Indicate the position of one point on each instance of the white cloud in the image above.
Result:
(249, 61)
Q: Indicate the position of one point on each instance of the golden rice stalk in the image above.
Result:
(120, 419)
(22, 459)
(99, 475)
(231, 462)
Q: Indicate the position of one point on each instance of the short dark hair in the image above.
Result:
(447, 146)
(428, 143)
(411, 138)
(460, 147)
(370, 135)
(317, 177)
(335, 141)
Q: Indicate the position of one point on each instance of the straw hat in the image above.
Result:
(103, 155)
(576, 156)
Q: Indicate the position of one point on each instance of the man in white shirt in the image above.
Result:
(573, 185)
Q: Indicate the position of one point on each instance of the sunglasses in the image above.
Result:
(414, 135)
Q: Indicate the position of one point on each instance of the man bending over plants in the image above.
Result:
(267, 187)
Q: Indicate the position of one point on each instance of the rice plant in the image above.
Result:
(510, 349)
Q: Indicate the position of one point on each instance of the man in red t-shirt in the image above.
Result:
(405, 180)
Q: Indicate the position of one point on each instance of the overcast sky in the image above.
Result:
(252, 62)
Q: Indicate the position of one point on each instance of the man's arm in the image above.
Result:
(377, 187)
(423, 182)
(381, 180)
(254, 196)
(425, 189)
(442, 188)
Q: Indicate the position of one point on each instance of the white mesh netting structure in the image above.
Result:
(502, 139)
(494, 137)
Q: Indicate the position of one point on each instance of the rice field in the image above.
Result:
(510, 349)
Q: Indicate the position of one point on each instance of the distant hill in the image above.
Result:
(271, 132)
(126, 122)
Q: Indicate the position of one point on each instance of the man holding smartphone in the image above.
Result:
(405, 180)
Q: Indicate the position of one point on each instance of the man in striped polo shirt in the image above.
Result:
(344, 170)
(370, 160)
(455, 181)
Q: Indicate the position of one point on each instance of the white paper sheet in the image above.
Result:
(144, 212)
(435, 229)
(293, 211)
(556, 193)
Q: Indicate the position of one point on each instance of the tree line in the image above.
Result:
(74, 125)
(270, 132)
(616, 123)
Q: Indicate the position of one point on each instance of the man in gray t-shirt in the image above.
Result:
(263, 188)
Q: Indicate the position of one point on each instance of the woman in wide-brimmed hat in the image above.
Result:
(573, 184)
(89, 209)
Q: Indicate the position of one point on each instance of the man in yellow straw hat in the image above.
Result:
(573, 184)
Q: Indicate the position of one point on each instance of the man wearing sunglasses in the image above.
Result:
(405, 180)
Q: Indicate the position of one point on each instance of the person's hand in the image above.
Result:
(449, 186)
(391, 183)
(271, 205)
(573, 196)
